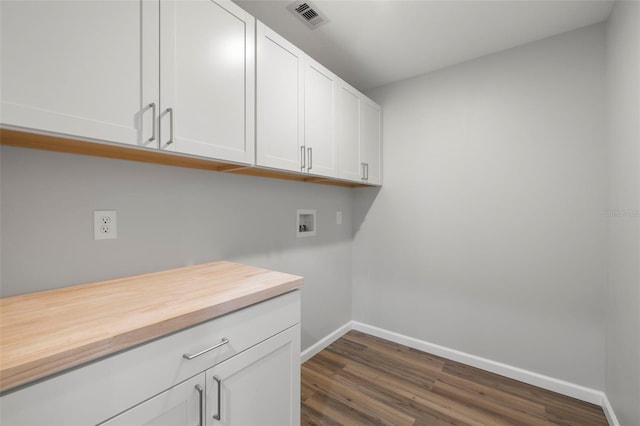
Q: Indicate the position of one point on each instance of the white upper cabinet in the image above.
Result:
(279, 97)
(81, 68)
(207, 79)
(349, 158)
(296, 109)
(320, 119)
(371, 140)
(359, 137)
(198, 77)
(169, 74)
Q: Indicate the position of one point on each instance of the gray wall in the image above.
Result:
(168, 217)
(488, 236)
(623, 297)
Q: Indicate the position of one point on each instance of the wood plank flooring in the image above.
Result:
(365, 380)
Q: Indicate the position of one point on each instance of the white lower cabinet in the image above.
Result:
(254, 352)
(258, 386)
(182, 405)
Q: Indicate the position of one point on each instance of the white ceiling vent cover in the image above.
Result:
(308, 13)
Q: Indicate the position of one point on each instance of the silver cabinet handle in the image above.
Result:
(201, 397)
(170, 112)
(303, 159)
(219, 385)
(152, 105)
(310, 151)
(362, 166)
(223, 342)
(366, 167)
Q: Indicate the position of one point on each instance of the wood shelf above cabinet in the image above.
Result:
(27, 139)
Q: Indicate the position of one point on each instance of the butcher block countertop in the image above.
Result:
(48, 332)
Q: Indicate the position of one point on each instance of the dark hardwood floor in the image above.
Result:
(365, 380)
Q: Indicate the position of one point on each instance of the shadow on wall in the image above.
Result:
(362, 201)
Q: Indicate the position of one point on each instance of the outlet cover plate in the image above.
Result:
(104, 225)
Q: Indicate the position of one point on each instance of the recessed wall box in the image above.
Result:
(306, 223)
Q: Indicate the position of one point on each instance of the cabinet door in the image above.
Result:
(371, 141)
(320, 127)
(181, 405)
(207, 79)
(349, 155)
(82, 68)
(260, 386)
(280, 72)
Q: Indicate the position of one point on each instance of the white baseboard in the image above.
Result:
(573, 390)
(556, 385)
(608, 411)
(324, 342)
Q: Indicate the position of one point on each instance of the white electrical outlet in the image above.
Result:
(104, 225)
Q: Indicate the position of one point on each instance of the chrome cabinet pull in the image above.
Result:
(201, 396)
(219, 385)
(170, 112)
(310, 151)
(223, 342)
(366, 167)
(303, 159)
(152, 105)
(362, 167)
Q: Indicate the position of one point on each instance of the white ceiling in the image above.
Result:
(370, 43)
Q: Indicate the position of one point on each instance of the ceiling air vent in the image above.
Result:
(308, 13)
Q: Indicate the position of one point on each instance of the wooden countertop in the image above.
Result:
(48, 332)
